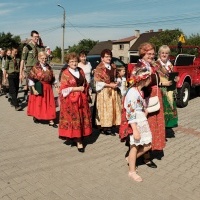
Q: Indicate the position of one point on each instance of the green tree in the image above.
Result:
(56, 53)
(83, 45)
(167, 37)
(193, 39)
(7, 40)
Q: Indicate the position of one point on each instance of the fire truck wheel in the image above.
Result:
(183, 95)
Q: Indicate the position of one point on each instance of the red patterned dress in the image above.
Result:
(42, 106)
(156, 119)
(75, 118)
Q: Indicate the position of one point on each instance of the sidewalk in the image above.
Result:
(36, 165)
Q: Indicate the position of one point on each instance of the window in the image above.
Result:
(121, 58)
(121, 46)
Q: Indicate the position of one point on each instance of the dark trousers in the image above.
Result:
(13, 80)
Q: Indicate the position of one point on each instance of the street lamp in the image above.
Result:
(63, 26)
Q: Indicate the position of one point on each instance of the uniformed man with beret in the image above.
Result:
(30, 57)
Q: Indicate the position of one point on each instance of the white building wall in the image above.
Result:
(117, 52)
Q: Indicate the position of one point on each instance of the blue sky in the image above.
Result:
(96, 19)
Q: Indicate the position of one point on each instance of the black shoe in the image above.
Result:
(81, 150)
(53, 125)
(110, 133)
(73, 144)
(18, 108)
(150, 163)
(102, 132)
(19, 101)
(35, 120)
(127, 143)
(63, 138)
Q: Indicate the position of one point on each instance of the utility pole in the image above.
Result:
(63, 39)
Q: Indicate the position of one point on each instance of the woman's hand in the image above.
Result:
(81, 88)
(78, 89)
(177, 78)
(167, 83)
(35, 92)
(113, 85)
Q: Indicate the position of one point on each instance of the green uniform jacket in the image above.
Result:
(30, 54)
(12, 65)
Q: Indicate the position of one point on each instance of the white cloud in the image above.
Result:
(5, 12)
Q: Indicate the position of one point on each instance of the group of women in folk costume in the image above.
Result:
(146, 130)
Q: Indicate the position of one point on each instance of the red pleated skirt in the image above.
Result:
(157, 123)
(42, 106)
(75, 119)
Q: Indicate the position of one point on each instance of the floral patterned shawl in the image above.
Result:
(100, 74)
(68, 80)
(38, 74)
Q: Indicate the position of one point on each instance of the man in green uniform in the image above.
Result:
(12, 66)
(30, 57)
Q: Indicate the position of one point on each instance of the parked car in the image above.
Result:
(96, 59)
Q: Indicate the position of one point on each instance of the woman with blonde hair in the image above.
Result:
(41, 103)
(165, 68)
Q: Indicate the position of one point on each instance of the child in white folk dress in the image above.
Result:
(134, 104)
(121, 80)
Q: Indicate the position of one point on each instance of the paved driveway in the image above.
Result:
(35, 164)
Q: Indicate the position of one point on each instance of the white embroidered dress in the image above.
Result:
(134, 105)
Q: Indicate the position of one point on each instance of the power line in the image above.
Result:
(76, 29)
(125, 25)
(43, 30)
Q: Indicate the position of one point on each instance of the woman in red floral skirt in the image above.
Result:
(75, 118)
(41, 103)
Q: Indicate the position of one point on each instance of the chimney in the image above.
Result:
(160, 30)
(151, 30)
(137, 33)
